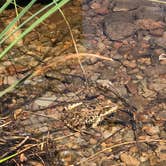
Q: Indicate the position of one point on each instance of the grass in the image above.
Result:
(6, 33)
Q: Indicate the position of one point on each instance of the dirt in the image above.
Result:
(62, 115)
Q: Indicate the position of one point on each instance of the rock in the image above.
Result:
(161, 115)
(155, 71)
(45, 101)
(128, 136)
(151, 130)
(158, 84)
(125, 5)
(121, 89)
(150, 12)
(119, 25)
(129, 160)
(131, 64)
(163, 135)
(68, 157)
(93, 141)
(107, 162)
(132, 88)
(157, 32)
(149, 24)
(100, 7)
(161, 41)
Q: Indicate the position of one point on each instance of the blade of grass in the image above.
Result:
(2, 34)
(36, 23)
(14, 85)
(7, 158)
(15, 6)
(5, 5)
(26, 21)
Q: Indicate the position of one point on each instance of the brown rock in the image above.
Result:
(125, 5)
(131, 64)
(157, 32)
(151, 130)
(119, 25)
(129, 160)
(149, 24)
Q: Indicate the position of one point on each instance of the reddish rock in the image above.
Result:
(149, 24)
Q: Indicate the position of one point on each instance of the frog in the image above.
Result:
(80, 116)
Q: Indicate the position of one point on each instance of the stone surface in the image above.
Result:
(118, 25)
(129, 160)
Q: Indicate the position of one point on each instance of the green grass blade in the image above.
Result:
(2, 34)
(26, 21)
(36, 23)
(7, 158)
(14, 85)
(5, 5)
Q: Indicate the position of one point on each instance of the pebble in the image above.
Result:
(157, 32)
(128, 136)
(93, 141)
(68, 157)
(151, 130)
(161, 41)
(129, 160)
(107, 162)
(125, 5)
(131, 64)
(118, 26)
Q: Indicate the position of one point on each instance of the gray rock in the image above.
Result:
(150, 12)
(119, 25)
(161, 41)
(125, 5)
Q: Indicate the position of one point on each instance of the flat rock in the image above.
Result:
(125, 5)
(150, 12)
(119, 25)
(161, 41)
(129, 160)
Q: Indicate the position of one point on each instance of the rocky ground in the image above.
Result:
(97, 112)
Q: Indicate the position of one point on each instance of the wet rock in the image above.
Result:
(149, 24)
(145, 163)
(119, 25)
(121, 89)
(145, 91)
(151, 130)
(150, 12)
(161, 115)
(157, 32)
(68, 157)
(129, 136)
(155, 71)
(125, 5)
(163, 134)
(107, 162)
(45, 101)
(93, 141)
(161, 41)
(117, 56)
(131, 64)
(100, 7)
(44, 129)
(129, 160)
(158, 84)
